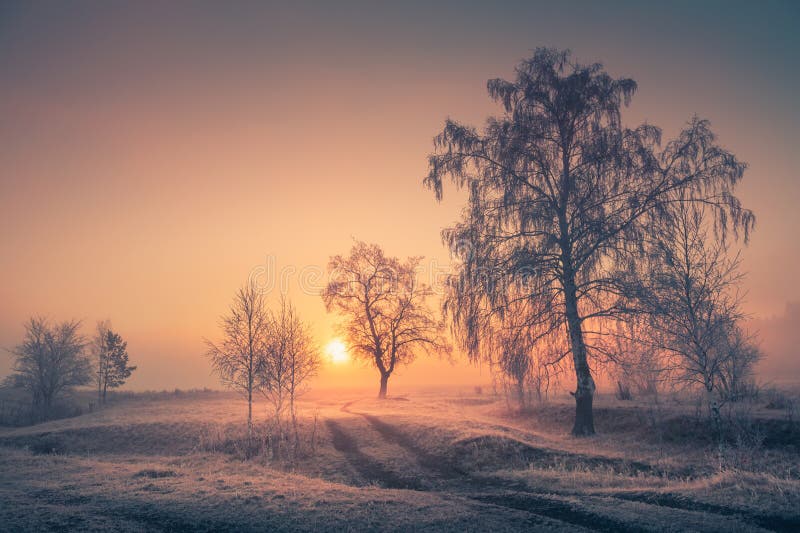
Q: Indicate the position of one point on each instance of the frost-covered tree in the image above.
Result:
(50, 360)
(387, 320)
(560, 191)
(291, 360)
(688, 287)
(239, 359)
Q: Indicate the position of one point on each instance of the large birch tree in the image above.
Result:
(560, 191)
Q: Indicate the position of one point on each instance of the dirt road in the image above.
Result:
(413, 466)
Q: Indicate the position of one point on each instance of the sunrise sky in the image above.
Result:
(154, 155)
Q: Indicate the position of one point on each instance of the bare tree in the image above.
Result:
(292, 359)
(275, 374)
(689, 289)
(50, 361)
(736, 372)
(111, 359)
(387, 318)
(239, 359)
(559, 190)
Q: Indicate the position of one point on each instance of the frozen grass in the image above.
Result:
(209, 493)
(428, 461)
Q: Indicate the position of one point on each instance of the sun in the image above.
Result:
(337, 351)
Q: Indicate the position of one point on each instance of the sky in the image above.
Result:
(155, 154)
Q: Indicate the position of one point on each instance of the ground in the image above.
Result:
(450, 462)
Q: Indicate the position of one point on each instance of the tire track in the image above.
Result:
(367, 467)
(440, 466)
(483, 490)
(514, 495)
(674, 501)
(557, 510)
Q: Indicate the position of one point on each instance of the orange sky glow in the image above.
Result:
(154, 157)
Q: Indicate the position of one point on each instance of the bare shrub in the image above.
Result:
(777, 399)
(736, 379)
(623, 392)
(266, 442)
(48, 445)
(152, 473)
(741, 443)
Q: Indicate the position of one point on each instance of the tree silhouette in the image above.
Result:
(559, 191)
(291, 359)
(688, 288)
(111, 358)
(50, 360)
(240, 358)
(387, 319)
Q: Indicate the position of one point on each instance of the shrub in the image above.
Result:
(623, 392)
(48, 444)
(777, 399)
(155, 474)
(266, 442)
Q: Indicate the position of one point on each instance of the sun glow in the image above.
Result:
(337, 351)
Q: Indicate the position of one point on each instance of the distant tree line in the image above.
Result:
(54, 358)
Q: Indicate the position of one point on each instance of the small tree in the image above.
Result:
(239, 359)
(111, 360)
(292, 358)
(736, 371)
(275, 374)
(689, 289)
(635, 362)
(387, 319)
(50, 361)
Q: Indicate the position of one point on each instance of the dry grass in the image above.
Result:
(430, 461)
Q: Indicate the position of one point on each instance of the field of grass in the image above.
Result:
(451, 462)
